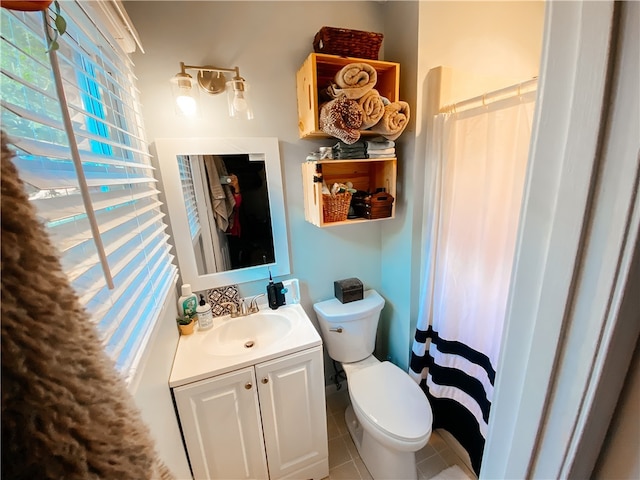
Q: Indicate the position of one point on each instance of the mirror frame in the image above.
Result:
(167, 151)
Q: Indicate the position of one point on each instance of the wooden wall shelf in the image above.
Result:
(315, 74)
(365, 174)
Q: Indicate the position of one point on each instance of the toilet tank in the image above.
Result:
(349, 329)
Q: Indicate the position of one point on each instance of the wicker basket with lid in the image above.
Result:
(348, 43)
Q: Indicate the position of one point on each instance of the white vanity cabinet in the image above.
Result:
(266, 421)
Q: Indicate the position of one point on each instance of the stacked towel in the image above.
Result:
(353, 81)
(379, 143)
(343, 151)
(382, 153)
(393, 121)
(342, 118)
(373, 108)
(360, 149)
(380, 147)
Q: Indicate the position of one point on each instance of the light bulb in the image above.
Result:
(187, 105)
(239, 102)
(184, 95)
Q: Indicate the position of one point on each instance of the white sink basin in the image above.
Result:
(237, 336)
(235, 343)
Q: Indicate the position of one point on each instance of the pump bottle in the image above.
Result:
(205, 317)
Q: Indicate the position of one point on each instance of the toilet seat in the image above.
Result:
(391, 401)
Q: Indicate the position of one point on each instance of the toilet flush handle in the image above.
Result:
(336, 329)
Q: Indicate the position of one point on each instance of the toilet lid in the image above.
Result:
(391, 400)
(335, 311)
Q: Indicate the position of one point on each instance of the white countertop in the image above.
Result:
(195, 359)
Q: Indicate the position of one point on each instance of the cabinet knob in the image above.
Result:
(265, 380)
(248, 385)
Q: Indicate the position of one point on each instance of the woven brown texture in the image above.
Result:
(66, 413)
(342, 118)
(347, 43)
(335, 208)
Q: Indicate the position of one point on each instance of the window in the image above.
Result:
(189, 194)
(102, 102)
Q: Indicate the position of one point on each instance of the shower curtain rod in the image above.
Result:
(487, 98)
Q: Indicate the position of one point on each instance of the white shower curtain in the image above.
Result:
(480, 158)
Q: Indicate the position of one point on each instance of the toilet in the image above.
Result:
(389, 418)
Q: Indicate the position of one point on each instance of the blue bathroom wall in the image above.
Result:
(269, 47)
(269, 41)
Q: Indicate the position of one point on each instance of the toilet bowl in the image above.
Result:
(390, 417)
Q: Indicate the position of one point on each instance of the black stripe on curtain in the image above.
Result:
(459, 422)
(447, 413)
(455, 348)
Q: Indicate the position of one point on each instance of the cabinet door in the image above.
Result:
(292, 400)
(220, 420)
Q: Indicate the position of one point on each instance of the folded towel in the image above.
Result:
(373, 108)
(350, 156)
(394, 120)
(379, 143)
(359, 145)
(381, 155)
(384, 151)
(342, 118)
(353, 80)
(347, 153)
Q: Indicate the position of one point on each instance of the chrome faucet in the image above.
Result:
(241, 309)
(253, 306)
(234, 308)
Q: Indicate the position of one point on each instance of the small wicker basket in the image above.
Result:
(335, 208)
(373, 206)
(347, 43)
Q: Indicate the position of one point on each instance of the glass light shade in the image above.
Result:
(185, 94)
(238, 99)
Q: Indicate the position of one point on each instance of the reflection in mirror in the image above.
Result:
(227, 205)
(226, 208)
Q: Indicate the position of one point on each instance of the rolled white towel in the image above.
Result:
(394, 120)
(373, 108)
(354, 80)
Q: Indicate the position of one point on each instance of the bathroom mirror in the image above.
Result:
(225, 202)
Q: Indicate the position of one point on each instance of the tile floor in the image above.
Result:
(346, 464)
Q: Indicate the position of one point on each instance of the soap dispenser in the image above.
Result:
(205, 317)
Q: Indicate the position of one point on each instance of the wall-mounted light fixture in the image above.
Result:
(213, 81)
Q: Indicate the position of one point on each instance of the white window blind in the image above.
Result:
(189, 194)
(102, 101)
